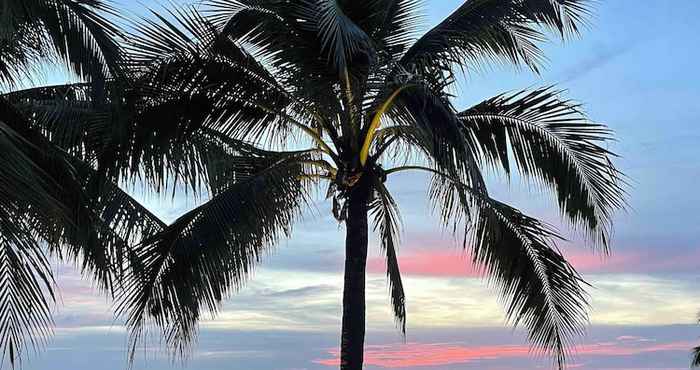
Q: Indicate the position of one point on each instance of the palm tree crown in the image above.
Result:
(216, 95)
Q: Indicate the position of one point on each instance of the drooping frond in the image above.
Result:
(157, 137)
(26, 282)
(552, 141)
(24, 181)
(188, 268)
(26, 287)
(386, 223)
(542, 291)
(108, 223)
(80, 214)
(51, 203)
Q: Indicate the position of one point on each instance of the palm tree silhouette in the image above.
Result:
(49, 203)
(217, 94)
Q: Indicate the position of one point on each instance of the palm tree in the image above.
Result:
(51, 204)
(217, 97)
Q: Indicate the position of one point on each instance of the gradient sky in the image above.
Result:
(634, 69)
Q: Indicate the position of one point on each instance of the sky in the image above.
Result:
(633, 69)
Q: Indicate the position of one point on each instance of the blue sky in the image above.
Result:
(634, 69)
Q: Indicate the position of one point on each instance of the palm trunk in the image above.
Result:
(356, 238)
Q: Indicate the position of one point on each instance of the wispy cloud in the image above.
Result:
(599, 56)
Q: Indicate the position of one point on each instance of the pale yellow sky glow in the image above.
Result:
(310, 301)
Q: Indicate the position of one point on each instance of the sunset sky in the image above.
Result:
(634, 69)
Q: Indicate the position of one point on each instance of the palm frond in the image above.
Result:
(24, 180)
(433, 127)
(79, 213)
(386, 223)
(391, 24)
(156, 141)
(285, 34)
(77, 31)
(107, 223)
(492, 30)
(341, 39)
(696, 357)
(190, 59)
(21, 47)
(26, 288)
(553, 142)
(542, 290)
(26, 282)
(50, 203)
(209, 252)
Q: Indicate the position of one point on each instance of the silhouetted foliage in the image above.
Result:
(216, 95)
(51, 204)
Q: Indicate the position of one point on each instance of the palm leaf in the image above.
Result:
(554, 143)
(159, 142)
(542, 290)
(341, 39)
(209, 252)
(386, 223)
(50, 202)
(26, 288)
(429, 123)
(482, 31)
(77, 31)
(80, 213)
(391, 24)
(21, 46)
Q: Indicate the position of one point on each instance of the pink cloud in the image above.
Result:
(438, 354)
(423, 263)
(449, 262)
(441, 354)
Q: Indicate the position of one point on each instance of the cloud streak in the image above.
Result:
(450, 263)
(412, 355)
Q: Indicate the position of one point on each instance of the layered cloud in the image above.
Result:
(619, 348)
(414, 355)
